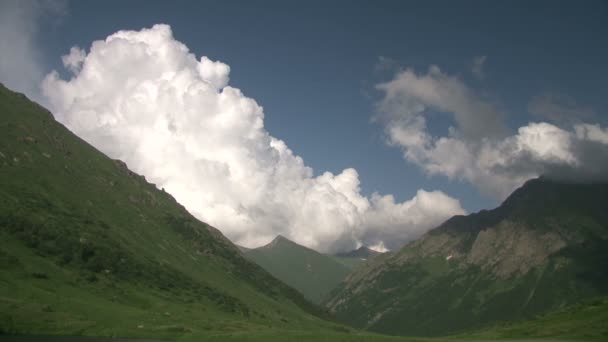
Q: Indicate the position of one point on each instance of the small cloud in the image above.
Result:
(379, 247)
(477, 68)
(386, 64)
(73, 61)
(559, 109)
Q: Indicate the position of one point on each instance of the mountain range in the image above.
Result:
(88, 247)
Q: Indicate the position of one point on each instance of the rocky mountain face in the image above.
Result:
(545, 247)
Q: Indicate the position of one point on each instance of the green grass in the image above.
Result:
(587, 320)
(298, 336)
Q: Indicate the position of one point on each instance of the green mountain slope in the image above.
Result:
(584, 320)
(311, 273)
(545, 247)
(89, 247)
(355, 257)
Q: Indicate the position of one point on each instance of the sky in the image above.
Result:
(335, 124)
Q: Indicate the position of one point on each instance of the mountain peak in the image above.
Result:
(280, 240)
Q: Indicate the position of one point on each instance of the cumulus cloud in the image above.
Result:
(21, 62)
(386, 218)
(479, 148)
(477, 67)
(142, 97)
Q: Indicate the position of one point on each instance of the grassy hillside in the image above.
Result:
(544, 248)
(586, 320)
(311, 273)
(88, 247)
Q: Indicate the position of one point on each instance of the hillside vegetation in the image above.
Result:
(586, 320)
(88, 247)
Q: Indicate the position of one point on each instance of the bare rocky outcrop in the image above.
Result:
(510, 248)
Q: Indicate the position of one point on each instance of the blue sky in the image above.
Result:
(314, 66)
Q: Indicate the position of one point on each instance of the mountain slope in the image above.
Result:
(587, 319)
(355, 257)
(89, 247)
(361, 252)
(311, 273)
(546, 246)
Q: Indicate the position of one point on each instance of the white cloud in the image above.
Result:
(20, 65)
(477, 68)
(592, 133)
(479, 149)
(73, 61)
(142, 97)
(408, 98)
(386, 220)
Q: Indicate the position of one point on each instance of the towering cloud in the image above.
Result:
(479, 148)
(142, 97)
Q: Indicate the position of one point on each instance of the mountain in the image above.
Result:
(355, 257)
(243, 249)
(88, 247)
(312, 273)
(544, 248)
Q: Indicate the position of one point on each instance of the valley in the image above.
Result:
(90, 248)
